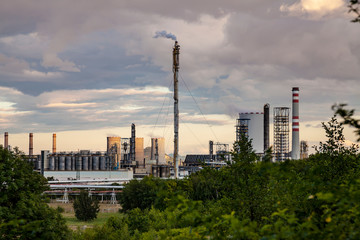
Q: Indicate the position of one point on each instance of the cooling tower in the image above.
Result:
(255, 122)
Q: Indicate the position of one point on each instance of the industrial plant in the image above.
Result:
(126, 158)
(256, 126)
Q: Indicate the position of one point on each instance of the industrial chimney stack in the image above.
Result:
(54, 143)
(31, 145)
(295, 153)
(6, 140)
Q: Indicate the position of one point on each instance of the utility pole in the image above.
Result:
(176, 52)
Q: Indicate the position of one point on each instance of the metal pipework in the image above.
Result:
(295, 152)
(54, 143)
(176, 53)
(31, 146)
(6, 140)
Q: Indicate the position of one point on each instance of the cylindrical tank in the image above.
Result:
(255, 129)
(78, 163)
(73, 163)
(68, 163)
(52, 163)
(85, 163)
(95, 163)
(90, 161)
(62, 163)
(102, 163)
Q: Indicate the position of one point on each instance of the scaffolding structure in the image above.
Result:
(281, 133)
(304, 148)
(242, 128)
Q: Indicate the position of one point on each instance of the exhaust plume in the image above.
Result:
(164, 34)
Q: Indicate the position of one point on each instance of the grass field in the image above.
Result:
(106, 211)
(74, 223)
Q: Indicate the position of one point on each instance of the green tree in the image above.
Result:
(24, 213)
(348, 118)
(354, 8)
(85, 207)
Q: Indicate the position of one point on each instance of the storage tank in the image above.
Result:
(78, 161)
(73, 163)
(102, 163)
(68, 163)
(85, 163)
(52, 163)
(255, 129)
(62, 163)
(95, 163)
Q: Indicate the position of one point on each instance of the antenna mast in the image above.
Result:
(176, 52)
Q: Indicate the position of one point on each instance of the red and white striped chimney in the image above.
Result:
(295, 152)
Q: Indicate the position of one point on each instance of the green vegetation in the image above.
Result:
(85, 208)
(24, 213)
(314, 198)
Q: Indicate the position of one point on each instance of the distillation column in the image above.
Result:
(295, 152)
(31, 145)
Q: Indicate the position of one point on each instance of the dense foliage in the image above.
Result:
(314, 198)
(24, 213)
(85, 208)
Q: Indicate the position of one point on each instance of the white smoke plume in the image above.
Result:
(164, 34)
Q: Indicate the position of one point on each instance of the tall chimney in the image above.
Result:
(6, 140)
(266, 126)
(54, 143)
(31, 145)
(295, 152)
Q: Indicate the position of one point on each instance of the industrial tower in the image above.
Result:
(281, 133)
(176, 53)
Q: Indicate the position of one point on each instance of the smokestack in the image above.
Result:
(295, 152)
(54, 143)
(31, 146)
(211, 149)
(266, 126)
(6, 140)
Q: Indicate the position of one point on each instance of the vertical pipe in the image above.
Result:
(266, 127)
(176, 52)
(31, 145)
(6, 140)
(54, 143)
(295, 152)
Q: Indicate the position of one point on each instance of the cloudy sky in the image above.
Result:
(87, 69)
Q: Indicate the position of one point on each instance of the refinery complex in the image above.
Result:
(127, 158)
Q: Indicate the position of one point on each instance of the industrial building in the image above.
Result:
(122, 154)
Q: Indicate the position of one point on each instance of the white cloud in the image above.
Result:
(313, 8)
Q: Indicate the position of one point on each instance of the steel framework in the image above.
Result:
(281, 133)
(242, 127)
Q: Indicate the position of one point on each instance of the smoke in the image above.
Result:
(164, 34)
